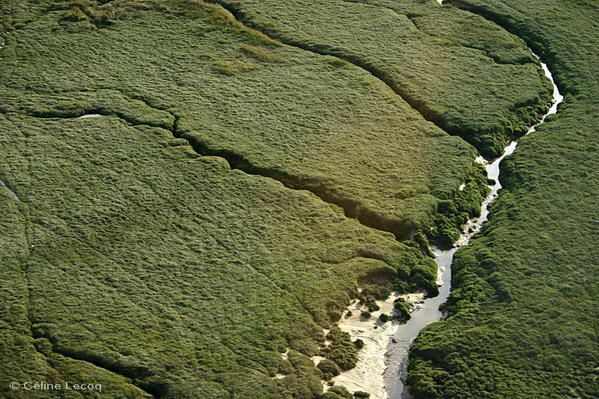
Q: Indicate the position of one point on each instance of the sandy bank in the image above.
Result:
(368, 374)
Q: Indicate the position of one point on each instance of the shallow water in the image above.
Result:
(10, 193)
(90, 116)
(397, 355)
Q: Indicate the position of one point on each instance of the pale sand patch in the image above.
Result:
(368, 374)
(317, 359)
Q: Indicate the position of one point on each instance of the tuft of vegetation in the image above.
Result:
(523, 311)
(342, 351)
(401, 309)
(337, 392)
(329, 369)
(262, 53)
(453, 213)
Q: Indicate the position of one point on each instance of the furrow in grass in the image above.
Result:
(131, 374)
(419, 106)
(411, 17)
(352, 208)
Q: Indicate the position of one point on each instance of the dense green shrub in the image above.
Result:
(342, 350)
(341, 391)
(401, 309)
(329, 369)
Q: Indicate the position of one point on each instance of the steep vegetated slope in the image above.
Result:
(460, 71)
(524, 308)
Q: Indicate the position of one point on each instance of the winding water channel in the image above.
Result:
(397, 353)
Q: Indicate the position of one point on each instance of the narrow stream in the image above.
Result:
(397, 353)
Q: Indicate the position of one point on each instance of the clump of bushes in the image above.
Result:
(337, 392)
(454, 213)
(75, 14)
(342, 350)
(329, 369)
(370, 303)
(424, 276)
(378, 292)
(401, 309)
(98, 15)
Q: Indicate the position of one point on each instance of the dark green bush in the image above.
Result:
(329, 369)
(341, 391)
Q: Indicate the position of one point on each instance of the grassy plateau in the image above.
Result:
(313, 122)
(243, 174)
(460, 71)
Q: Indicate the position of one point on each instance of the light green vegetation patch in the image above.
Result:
(524, 306)
(128, 259)
(462, 72)
(311, 121)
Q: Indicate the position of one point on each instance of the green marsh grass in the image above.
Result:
(524, 307)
